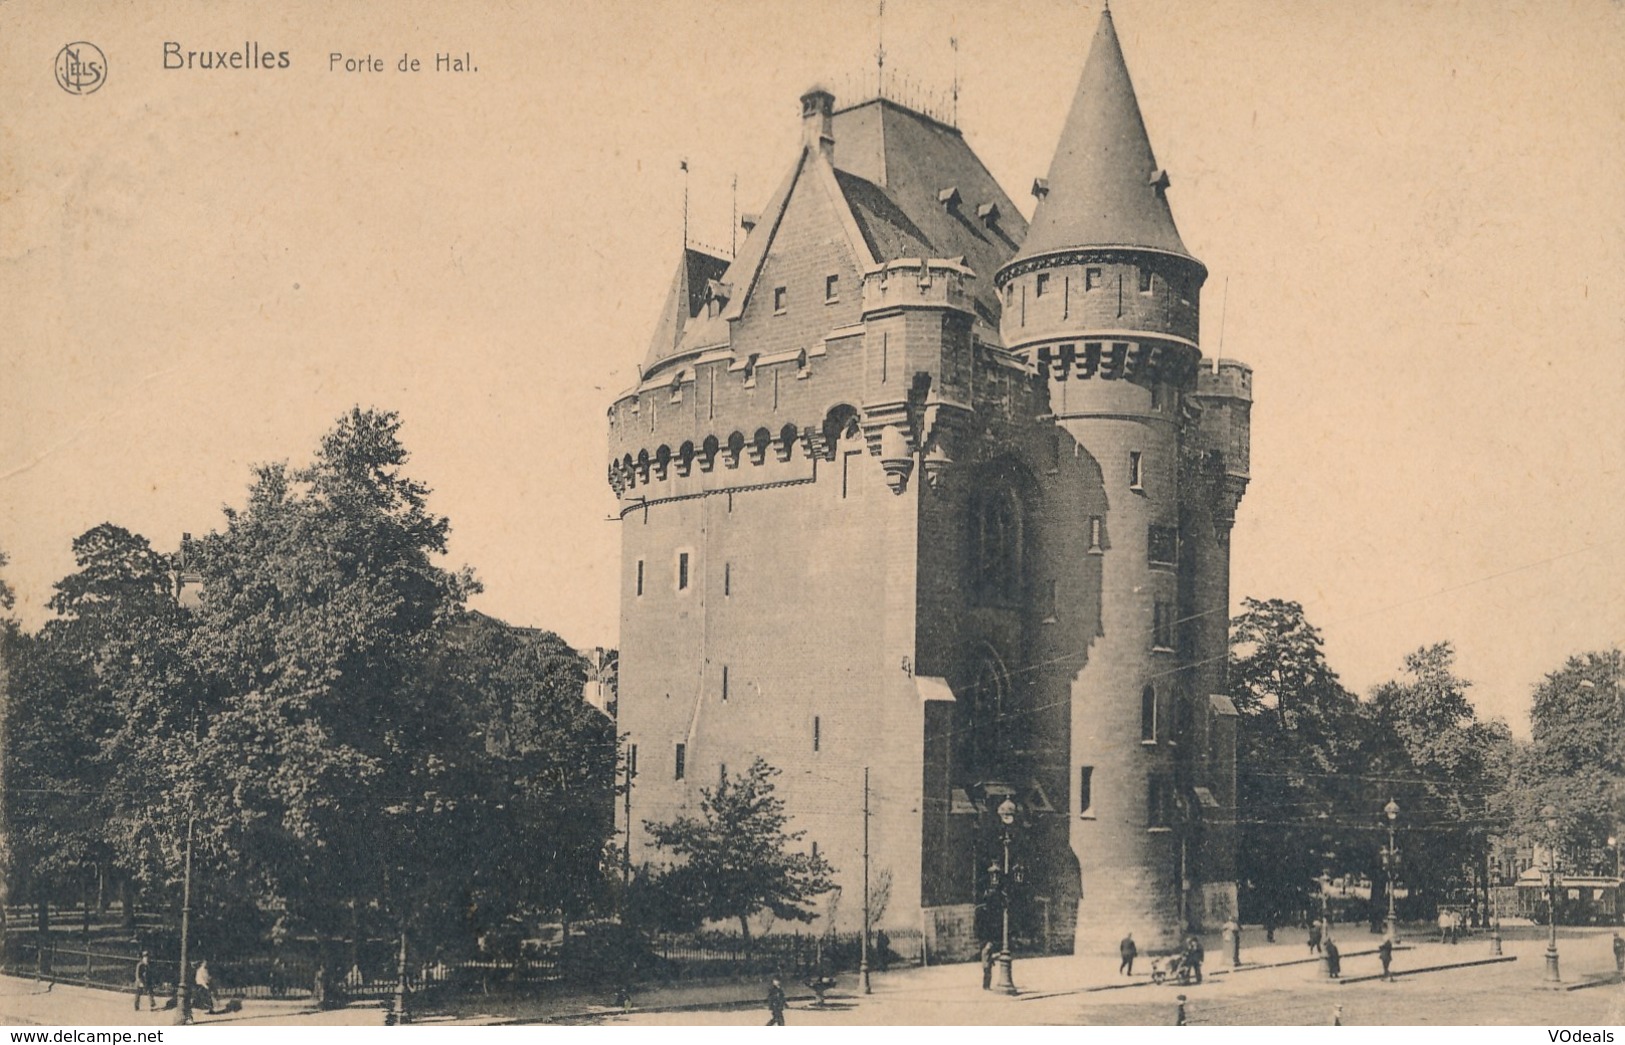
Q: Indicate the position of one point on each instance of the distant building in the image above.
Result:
(910, 485)
(599, 690)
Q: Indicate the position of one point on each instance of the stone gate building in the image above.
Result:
(911, 486)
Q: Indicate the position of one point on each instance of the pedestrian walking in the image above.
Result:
(1314, 937)
(1334, 960)
(775, 1004)
(1444, 927)
(1179, 1013)
(1385, 953)
(1232, 942)
(987, 966)
(1269, 927)
(1337, 1015)
(1619, 953)
(1127, 951)
(143, 982)
(1194, 954)
(203, 987)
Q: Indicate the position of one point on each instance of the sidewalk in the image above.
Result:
(898, 992)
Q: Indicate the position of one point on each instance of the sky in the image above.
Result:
(1410, 212)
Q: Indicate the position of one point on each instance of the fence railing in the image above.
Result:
(294, 976)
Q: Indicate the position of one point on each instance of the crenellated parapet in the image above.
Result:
(1224, 396)
(919, 283)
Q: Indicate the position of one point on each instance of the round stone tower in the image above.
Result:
(1103, 299)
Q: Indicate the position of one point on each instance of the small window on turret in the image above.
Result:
(832, 288)
(1136, 470)
(1145, 280)
(1097, 528)
(1091, 279)
(1041, 284)
(779, 299)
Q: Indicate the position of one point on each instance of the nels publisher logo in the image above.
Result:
(81, 68)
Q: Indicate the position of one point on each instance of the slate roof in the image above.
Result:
(1103, 181)
(893, 165)
(685, 301)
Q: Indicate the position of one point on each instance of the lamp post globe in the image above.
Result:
(1005, 982)
(1390, 863)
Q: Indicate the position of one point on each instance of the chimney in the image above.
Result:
(817, 115)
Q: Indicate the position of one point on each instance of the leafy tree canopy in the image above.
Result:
(734, 859)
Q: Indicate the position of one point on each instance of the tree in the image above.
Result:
(331, 773)
(1575, 762)
(550, 770)
(1442, 765)
(86, 676)
(735, 858)
(1299, 749)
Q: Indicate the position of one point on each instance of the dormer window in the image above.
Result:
(989, 213)
(1040, 188)
(949, 198)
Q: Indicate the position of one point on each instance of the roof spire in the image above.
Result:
(1104, 186)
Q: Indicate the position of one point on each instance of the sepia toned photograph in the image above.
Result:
(473, 552)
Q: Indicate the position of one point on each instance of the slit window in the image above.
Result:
(1162, 626)
(640, 577)
(1156, 806)
(727, 578)
(1136, 470)
(682, 571)
(1086, 798)
(1148, 715)
(724, 682)
(818, 733)
(680, 767)
(1162, 545)
(1097, 528)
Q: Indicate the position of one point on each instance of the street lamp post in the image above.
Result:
(1551, 894)
(863, 963)
(183, 1012)
(1005, 984)
(1390, 863)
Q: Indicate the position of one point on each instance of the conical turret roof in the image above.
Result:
(1105, 189)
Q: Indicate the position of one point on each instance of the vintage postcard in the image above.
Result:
(859, 513)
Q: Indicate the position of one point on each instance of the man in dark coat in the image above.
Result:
(1334, 961)
(1127, 951)
(1194, 954)
(1314, 937)
(1385, 952)
(143, 982)
(1619, 953)
(775, 1004)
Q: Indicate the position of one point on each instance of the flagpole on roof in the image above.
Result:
(684, 166)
